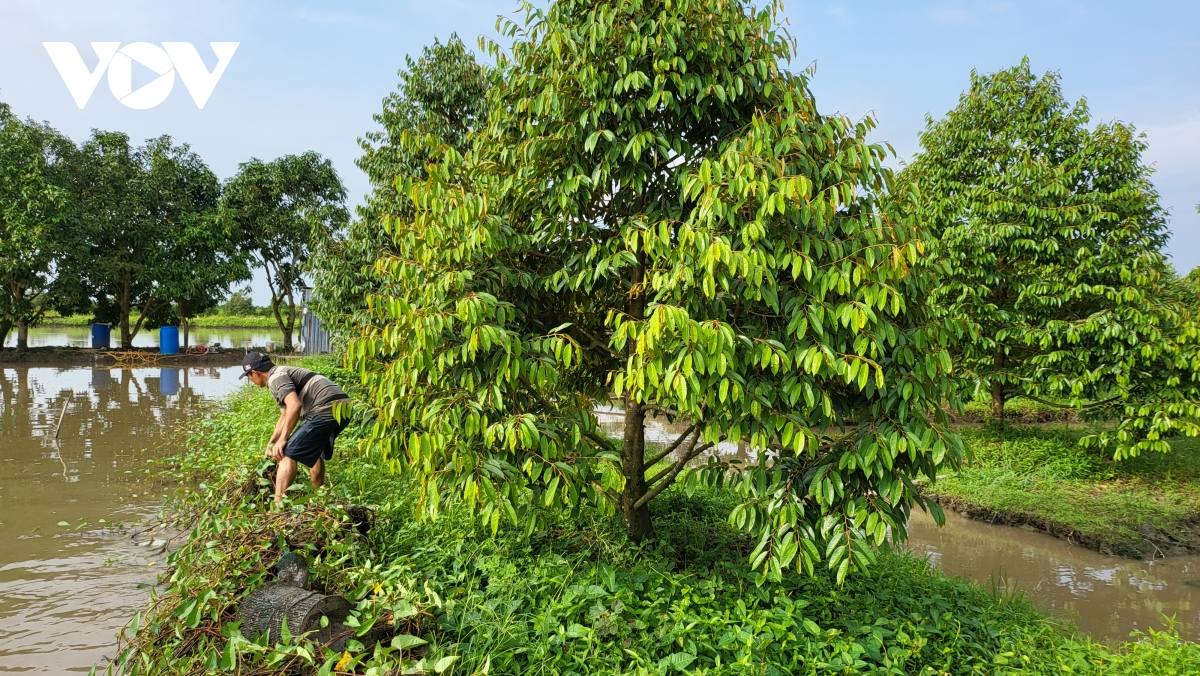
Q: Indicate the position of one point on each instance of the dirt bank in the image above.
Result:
(1150, 542)
(134, 358)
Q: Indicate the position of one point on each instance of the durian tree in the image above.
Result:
(1049, 235)
(656, 215)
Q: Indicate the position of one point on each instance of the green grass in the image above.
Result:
(206, 321)
(1042, 473)
(577, 598)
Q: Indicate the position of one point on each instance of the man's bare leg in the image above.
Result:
(285, 474)
(317, 473)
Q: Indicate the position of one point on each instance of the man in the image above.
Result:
(302, 395)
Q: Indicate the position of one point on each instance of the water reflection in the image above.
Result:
(1105, 595)
(80, 336)
(66, 590)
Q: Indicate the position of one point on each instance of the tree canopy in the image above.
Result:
(155, 247)
(283, 210)
(441, 98)
(655, 213)
(1050, 236)
(35, 234)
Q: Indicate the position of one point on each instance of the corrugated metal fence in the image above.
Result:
(313, 338)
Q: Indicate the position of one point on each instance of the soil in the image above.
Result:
(138, 357)
(1152, 542)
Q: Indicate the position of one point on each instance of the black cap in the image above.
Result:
(256, 361)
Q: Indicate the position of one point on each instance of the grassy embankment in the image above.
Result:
(1036, 474)
(216, 321)
(576, 598)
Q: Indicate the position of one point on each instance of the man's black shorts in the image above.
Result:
(313, 440)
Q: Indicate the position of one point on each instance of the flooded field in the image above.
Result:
(80, 336)
(69, 572)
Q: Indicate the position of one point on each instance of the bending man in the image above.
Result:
(305, 396)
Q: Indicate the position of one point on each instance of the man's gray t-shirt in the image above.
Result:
(317, 393)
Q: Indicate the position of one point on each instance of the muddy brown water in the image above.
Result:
(65, 591)
(1106, 596)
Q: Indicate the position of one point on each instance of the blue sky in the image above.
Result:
(310, 75)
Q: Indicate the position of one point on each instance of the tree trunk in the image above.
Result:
(633, 447)
(22, 336)
(126, 337)
(633, 459)
(997, 391)
(185, 326)
(291, 324)
(5, 327)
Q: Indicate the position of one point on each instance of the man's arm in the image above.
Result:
(283, 428)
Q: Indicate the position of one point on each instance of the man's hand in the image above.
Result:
(274, 450)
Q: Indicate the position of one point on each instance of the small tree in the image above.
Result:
(282, 209)
(656, 214)
(239, 303)
(35, 234)
(1052, 234)
(441, 98)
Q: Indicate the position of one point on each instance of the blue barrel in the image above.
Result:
(168, 340)
(168, 381)
(100, 337)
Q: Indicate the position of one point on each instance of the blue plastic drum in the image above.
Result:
(168, 340)
(100, 337)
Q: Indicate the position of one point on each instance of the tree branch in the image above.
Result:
(669, 478)
(675, 444)
(660, 409)
(675, 467)
(597, 343)
(604, 443)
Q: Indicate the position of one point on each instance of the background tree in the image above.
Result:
(1052, 236)
(35, 234)
(157, 252)
(441, 98)
(240, 303)
(284, 210)
(200, 255)
(656, 213)
(122, 243)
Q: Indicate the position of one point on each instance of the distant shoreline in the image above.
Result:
(131, 358)
(205, 322)
(56, 325)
